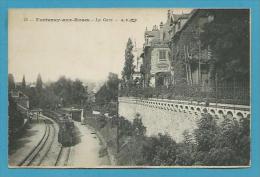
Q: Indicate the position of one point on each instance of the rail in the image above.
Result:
(32, 155)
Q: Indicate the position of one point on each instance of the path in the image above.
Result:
(88, 150)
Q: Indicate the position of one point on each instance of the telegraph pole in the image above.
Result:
(118, 121)
(199, 63)
(216, 85)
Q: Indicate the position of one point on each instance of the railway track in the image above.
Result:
(42, 153)
(39, 154)
(63, 156)
(31, 157)
(64, 152)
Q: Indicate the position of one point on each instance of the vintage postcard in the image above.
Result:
(129, 88)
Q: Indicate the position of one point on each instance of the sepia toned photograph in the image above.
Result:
(129, 88)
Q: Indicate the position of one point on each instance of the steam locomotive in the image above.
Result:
(66, 131)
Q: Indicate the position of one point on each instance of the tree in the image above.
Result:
(39, 83)
(49, 99)
(160, 150)
(34, 97)
(228, 37)
(23, 83)
(63, 89)
(112, 85)
(78, 93)
(142, 71)
(138, 128)
(72, 93)
(11, 83)
(234, 137)
(128, 69)
(108, 93)
(102, 95)
(185, 154)
(16, 118)
(206, 133)
(224, 144)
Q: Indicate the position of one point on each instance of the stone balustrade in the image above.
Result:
(176, 116)
(192, 107)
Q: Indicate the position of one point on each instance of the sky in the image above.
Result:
(87, 50)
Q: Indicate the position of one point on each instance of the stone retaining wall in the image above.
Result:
(175, 116)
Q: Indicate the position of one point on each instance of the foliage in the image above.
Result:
(206, 133)
(224, 144)
(11, 82)
(226, 92)
(138, 128)
(102, 121)
(228, 37)
(78, 93)
(107, 95)
(39, 83)
(128, 69)
(112, 85)
(185, 154)
(127, 128)
(16, 118)
(34, 97)
(23, 83)
(120, 130)
(48, 98)
(160, 150)
(215, 144)
(108, 92)
(186, 150)
(69, 92)
(63, 92)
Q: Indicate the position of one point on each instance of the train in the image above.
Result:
(65, 119)
(66, 135)
(75, 114)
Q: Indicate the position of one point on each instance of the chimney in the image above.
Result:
(161, 25)
(169, 14)
(155, 28)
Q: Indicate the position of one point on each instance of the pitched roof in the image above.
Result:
(155, 33)
(176, 17)
(189, 17)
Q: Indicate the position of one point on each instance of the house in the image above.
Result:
(190, 61)
(21, 99)
(157, 53)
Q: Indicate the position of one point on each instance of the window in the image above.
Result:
(179, 25)
(163, 35)
(162, 55)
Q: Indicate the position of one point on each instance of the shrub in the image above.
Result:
(213, 145)
(226, 144)
(138, 128)
(206, 132)
(160, 150)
